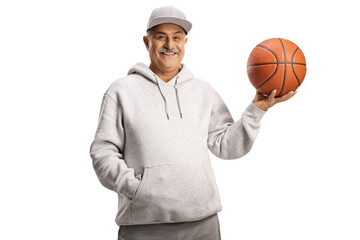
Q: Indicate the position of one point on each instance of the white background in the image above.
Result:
(301, 179)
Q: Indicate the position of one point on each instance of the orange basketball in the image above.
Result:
(278, 64)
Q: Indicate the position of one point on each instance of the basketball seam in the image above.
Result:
(282, 87)
(259, 64)
(292, 65)
(274, 63)
(269, 51)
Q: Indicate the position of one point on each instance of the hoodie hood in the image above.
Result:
(183, 75)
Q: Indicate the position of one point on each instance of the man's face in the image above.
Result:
(166, 46)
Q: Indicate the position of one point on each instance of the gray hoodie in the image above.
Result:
(152, 140)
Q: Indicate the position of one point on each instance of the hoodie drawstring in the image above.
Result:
(162, 96)
(177, 97)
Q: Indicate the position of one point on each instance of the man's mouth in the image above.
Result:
(168, 54)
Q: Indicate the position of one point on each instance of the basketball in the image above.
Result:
(278, 64)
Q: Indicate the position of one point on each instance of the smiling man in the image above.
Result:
(155, 128)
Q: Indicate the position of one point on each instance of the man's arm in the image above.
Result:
(107, 150)
(231, 140)
(228, 139)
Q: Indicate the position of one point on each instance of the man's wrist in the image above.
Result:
(261, 106)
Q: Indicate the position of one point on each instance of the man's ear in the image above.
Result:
(146, 41)
(186, 40)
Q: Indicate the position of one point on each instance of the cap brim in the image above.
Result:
(186, 25)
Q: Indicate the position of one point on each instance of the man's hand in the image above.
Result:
(265, 102)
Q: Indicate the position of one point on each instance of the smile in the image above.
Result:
(168, 54)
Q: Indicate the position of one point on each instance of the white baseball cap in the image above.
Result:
(168, 14)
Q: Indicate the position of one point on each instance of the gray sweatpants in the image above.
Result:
(205, 229)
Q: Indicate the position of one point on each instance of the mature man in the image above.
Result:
(154, 131)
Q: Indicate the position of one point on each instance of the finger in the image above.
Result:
(286, 96)
(272, 94)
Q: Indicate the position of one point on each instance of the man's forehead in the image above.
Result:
(167, 28)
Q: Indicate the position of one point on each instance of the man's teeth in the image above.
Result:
(169, 53)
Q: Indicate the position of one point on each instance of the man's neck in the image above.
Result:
(165, 75)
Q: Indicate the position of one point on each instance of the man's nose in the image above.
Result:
(169, 43)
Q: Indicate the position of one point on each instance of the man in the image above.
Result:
(155, 128)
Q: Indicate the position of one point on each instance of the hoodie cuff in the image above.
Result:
(253, 114)
(130, 187)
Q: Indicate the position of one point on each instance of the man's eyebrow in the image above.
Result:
(160, 33)
(167, 34)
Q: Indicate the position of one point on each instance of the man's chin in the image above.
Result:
(171, 65)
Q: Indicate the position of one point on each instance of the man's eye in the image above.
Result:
(161, 37)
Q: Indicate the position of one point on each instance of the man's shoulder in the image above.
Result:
(120, 83)
(202, 83)
(205, 85)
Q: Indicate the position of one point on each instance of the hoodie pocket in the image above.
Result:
(172, 193)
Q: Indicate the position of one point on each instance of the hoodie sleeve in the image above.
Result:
(107, 150)
(228, 139)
